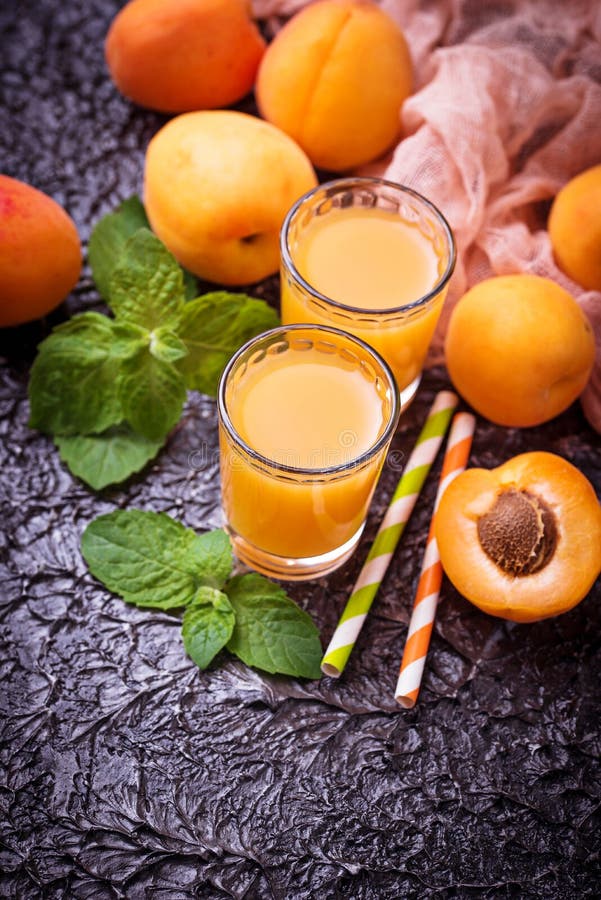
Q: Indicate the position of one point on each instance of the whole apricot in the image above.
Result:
(574, 227)
(334, 78)
(519, 349)
(522, 541)
(40, 253)
(193, 54)
(217, 186)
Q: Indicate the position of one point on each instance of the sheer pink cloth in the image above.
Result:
(506, 109)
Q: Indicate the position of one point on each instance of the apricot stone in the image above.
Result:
(335, 78)
(40, 253)
(217, 187)
(522, 541)
(519, 349)
(184, 55)
(575, 228)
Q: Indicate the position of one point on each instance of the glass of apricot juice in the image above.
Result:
(306, 416)
(373, 258)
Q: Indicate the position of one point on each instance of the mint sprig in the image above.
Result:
(151, 560)
(111, 389)
(93, 372)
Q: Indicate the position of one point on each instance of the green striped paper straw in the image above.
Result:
(389, 534)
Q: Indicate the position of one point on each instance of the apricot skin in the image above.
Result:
(217, 186)
(575, 228)
(184, 55)
(40, 253)
(335, 78)
(519, 349)
(575, 563)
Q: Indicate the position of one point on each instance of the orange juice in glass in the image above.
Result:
(306, 416)
(373, 258)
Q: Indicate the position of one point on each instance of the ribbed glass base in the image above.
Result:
(290, 569)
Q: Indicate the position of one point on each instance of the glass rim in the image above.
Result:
(367, 181)
(340, 468)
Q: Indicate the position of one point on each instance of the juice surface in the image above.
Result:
(367, 258)
(302, 409)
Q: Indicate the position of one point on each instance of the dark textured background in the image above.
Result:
(126, 772)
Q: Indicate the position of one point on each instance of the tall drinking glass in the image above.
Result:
(306, 416)
(373, 258)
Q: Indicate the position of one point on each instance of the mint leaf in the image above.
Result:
(190, 285)
(128, 339)
(73, 385)
(108, 239)
(210, 556)
(107, 458)
(212, 328)
(149, 559)
(207, 625)
(271, 632)
(152, 394)
(146, 286)
(166, 346)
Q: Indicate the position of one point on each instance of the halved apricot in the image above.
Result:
(522, 541)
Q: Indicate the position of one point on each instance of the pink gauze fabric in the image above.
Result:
(506, 109)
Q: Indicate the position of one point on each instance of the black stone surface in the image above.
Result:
(128, 773)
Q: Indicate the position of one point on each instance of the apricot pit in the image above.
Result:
(518, 533)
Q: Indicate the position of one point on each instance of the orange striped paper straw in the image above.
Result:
(428, 588)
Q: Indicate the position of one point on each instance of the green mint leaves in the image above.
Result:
(109, 238)
(111, 389)
(73, 384)
(107, 458)
(146, 287)
(272, 633)
(207, 625)
(212, 329)
(151, 560)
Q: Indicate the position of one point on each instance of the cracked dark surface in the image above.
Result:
(126, 772)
